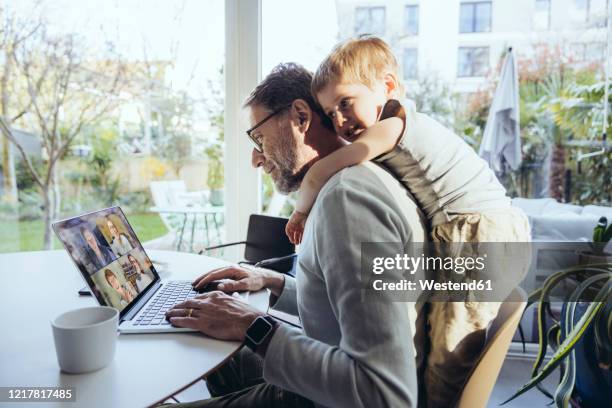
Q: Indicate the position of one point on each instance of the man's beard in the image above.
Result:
(287, 180)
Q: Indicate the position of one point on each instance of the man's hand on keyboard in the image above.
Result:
(215, 314)
(242, 279)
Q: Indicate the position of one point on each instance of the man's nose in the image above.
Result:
(257, 158)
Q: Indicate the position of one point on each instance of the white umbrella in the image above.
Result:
(502, 138)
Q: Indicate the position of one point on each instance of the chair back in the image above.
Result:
(169, 194)
(481, 380)
(266, 239)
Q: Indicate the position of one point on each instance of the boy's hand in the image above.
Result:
(295, 227)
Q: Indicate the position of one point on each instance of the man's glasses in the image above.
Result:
(257, 139)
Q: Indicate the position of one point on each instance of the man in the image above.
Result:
(351, 353)
(99, 255)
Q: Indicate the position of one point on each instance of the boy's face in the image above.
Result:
(352, 107)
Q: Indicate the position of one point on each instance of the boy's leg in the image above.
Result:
(457, 330)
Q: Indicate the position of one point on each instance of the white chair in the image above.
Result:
(164, 196)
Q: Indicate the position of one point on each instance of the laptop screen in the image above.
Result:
(105, 249)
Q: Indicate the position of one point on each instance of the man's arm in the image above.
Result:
(374, 364)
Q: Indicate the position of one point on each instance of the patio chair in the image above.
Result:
(170, 195)
(266, 244)
(481, 380)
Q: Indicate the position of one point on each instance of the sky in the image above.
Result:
(191, 32)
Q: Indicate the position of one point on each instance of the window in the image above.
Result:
(581, 10)
(141, 109)
(411, 20)
(370, 20)
(590, 11)
(475, 17)
(473, 61)
(541, 17)
(410, 63)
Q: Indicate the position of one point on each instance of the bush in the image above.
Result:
(136, 202)
(30, 206)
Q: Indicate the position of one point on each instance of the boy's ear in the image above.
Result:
(301, 114)
(391, 85)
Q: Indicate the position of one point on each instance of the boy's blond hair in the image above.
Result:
(364, 60)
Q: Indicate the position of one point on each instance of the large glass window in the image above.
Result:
(473, 61)
(475, 17)
(411, 20)
(112, 110)
(370, 20)
(410, 63)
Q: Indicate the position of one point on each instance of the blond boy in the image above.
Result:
(460, 195)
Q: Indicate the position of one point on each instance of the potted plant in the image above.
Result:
(601, 237)
(581, 335)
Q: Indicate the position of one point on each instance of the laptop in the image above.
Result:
(119, 273)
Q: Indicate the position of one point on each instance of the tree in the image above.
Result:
(175, 130)
(214, 150)
(66, 92)
(13, 32)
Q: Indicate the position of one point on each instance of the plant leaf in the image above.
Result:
(570, 341)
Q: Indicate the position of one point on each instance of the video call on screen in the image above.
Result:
(104, 247)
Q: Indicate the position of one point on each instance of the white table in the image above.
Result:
(193, 211)
(147, 368)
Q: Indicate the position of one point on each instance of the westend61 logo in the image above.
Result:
(479, 271)
(409, 264)
(412, 264)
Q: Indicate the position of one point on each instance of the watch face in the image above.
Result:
(258, 330)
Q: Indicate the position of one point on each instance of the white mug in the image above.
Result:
(85, 339)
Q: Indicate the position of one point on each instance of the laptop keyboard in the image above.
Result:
(169, 295)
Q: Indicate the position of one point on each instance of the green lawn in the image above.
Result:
(28, 235)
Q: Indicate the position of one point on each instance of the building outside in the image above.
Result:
(461, 41)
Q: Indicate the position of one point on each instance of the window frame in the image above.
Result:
(473, 73)
(406, 28)
(474, 5)
(547, 16)
(369, 9)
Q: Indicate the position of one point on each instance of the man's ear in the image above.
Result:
(392, 88)
(301, 114)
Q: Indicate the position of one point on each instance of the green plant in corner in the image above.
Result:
(580, 335)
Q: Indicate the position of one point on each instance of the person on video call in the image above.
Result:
(142, 279)
(99, 255)
(119, 243)
(125, 291)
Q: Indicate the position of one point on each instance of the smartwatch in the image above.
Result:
(259, 331)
